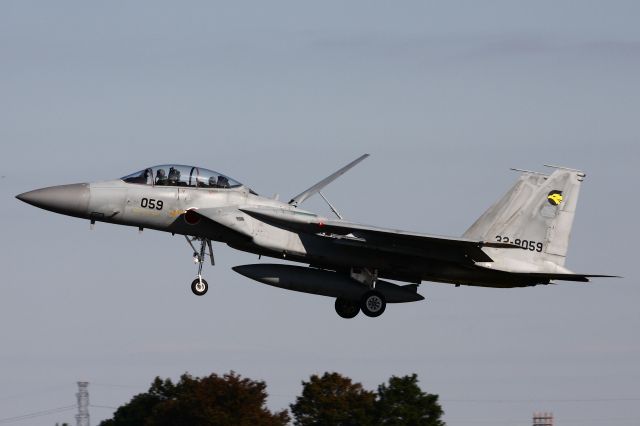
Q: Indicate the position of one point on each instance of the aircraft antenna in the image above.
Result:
(528, 171)
(82, 418)
(580, 172)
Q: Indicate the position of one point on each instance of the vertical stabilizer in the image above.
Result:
(537, 214)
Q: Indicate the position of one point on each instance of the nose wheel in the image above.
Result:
(199, 286)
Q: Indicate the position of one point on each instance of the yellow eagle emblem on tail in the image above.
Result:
(554, 197)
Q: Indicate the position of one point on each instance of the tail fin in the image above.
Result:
(537, 214)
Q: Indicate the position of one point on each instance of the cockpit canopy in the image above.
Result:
(180, 175)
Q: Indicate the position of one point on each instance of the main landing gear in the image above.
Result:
(347, 308)
(372, 303)
(199, 286)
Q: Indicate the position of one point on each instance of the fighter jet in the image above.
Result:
(521, 240)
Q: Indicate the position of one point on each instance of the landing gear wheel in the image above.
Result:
(199, 287)
(347, 308)
(373, 304)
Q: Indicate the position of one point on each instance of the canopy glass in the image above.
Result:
(181, 175)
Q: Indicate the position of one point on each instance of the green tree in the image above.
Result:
(208, 401)
(402, 402)
(333, 400)
(138, 410)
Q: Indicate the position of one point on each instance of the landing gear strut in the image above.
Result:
(199, 286)
(373, 302)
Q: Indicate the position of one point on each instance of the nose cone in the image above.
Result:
(72, 200)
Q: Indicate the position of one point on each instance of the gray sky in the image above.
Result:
(445, 96)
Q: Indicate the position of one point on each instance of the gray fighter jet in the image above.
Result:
(521, 240)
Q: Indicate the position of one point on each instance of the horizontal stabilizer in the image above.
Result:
(569, 277)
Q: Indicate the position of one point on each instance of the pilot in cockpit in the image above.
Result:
(174, 176)
(213, 182)
(148, 176)
(161, 177)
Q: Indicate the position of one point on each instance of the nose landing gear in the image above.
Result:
(199, 286)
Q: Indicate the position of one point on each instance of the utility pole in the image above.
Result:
(82, 418)
(542, 419)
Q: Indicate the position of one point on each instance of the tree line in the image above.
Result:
(229, 399)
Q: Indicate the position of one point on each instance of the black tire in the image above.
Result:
(197, 289)
(347, 308)
(373, 304)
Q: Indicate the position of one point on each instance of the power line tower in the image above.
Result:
(542, 419)
(82, 418)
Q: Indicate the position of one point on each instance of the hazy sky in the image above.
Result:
(446, 96)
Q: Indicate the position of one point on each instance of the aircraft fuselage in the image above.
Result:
(521, 240)
(163, 208)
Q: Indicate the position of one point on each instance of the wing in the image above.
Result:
(387, 240)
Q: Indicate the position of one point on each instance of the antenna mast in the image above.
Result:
(542, 419)
(82, 418)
